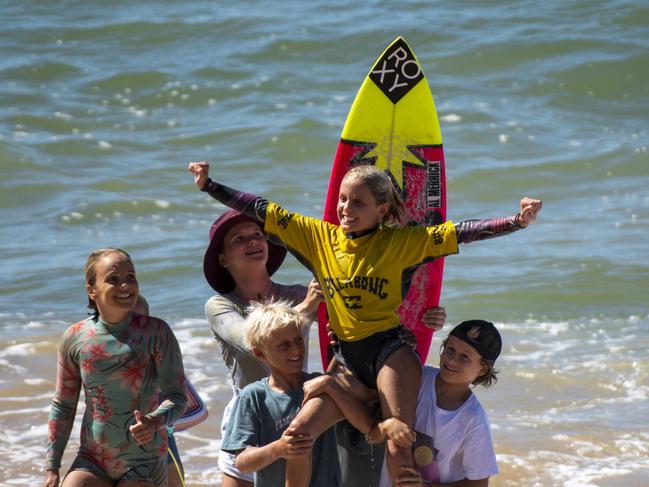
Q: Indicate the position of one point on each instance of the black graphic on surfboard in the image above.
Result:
(397, 71)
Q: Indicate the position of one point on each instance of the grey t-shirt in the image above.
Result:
(226, 314)
(260, 416)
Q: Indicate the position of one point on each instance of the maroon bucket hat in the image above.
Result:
(218, 276)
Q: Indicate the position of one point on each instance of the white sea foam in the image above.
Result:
(30, 398)
(162, 204)
(577, 468)
(35, 325)
(27, 412)
(451, 118)
(20, 349)
(17, 369)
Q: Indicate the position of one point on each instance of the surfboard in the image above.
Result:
(393, 125)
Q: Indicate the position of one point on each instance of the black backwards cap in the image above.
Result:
(481, 335)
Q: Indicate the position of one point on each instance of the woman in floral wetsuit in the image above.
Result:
(131, 371)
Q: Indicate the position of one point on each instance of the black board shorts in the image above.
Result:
(364, 358)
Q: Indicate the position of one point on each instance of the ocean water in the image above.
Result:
(102, 104)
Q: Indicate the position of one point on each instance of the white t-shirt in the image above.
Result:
(461, 439)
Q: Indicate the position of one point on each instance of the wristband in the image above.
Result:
(517, 221)
(207, 184)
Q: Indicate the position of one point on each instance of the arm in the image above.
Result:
(302, 235)
(64, 404)
(196, 410)
(254, 458)
(251, 205)
(312, 300)
(245, 436)
(52, 478)
(171, 377)
(473, 230)
(171, 380)
(226, 322)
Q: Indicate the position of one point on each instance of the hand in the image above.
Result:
(292, 446)
(314, 297)
(200, 171)
(376, 436)
(434, 318)
(398, 431)
(410, 477)
(316, 387)
(407, 336)
(333, 339)
(143, 429)
(530, 208)
(52, 478)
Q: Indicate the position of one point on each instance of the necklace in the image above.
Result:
(267, 294)
(261, 297)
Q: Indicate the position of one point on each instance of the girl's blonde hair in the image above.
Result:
(381, 187)
(90, 270)
(265, 318)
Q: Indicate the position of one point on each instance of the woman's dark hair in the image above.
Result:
(90, 270)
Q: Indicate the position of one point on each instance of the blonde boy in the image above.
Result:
(258, 432)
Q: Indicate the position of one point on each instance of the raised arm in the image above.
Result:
(251, 205)
(314, 297)
(473, 230)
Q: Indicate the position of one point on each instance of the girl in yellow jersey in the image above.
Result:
(360, 265)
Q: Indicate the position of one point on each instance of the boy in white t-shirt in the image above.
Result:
(452, 438)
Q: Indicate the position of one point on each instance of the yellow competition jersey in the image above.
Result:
(362, 279)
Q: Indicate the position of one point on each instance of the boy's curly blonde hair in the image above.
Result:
(265, 318)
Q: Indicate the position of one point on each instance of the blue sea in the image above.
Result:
(102, 105)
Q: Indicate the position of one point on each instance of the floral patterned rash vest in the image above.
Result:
(122, 367)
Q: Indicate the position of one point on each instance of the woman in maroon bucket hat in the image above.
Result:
(238, 264)
(216, 273)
